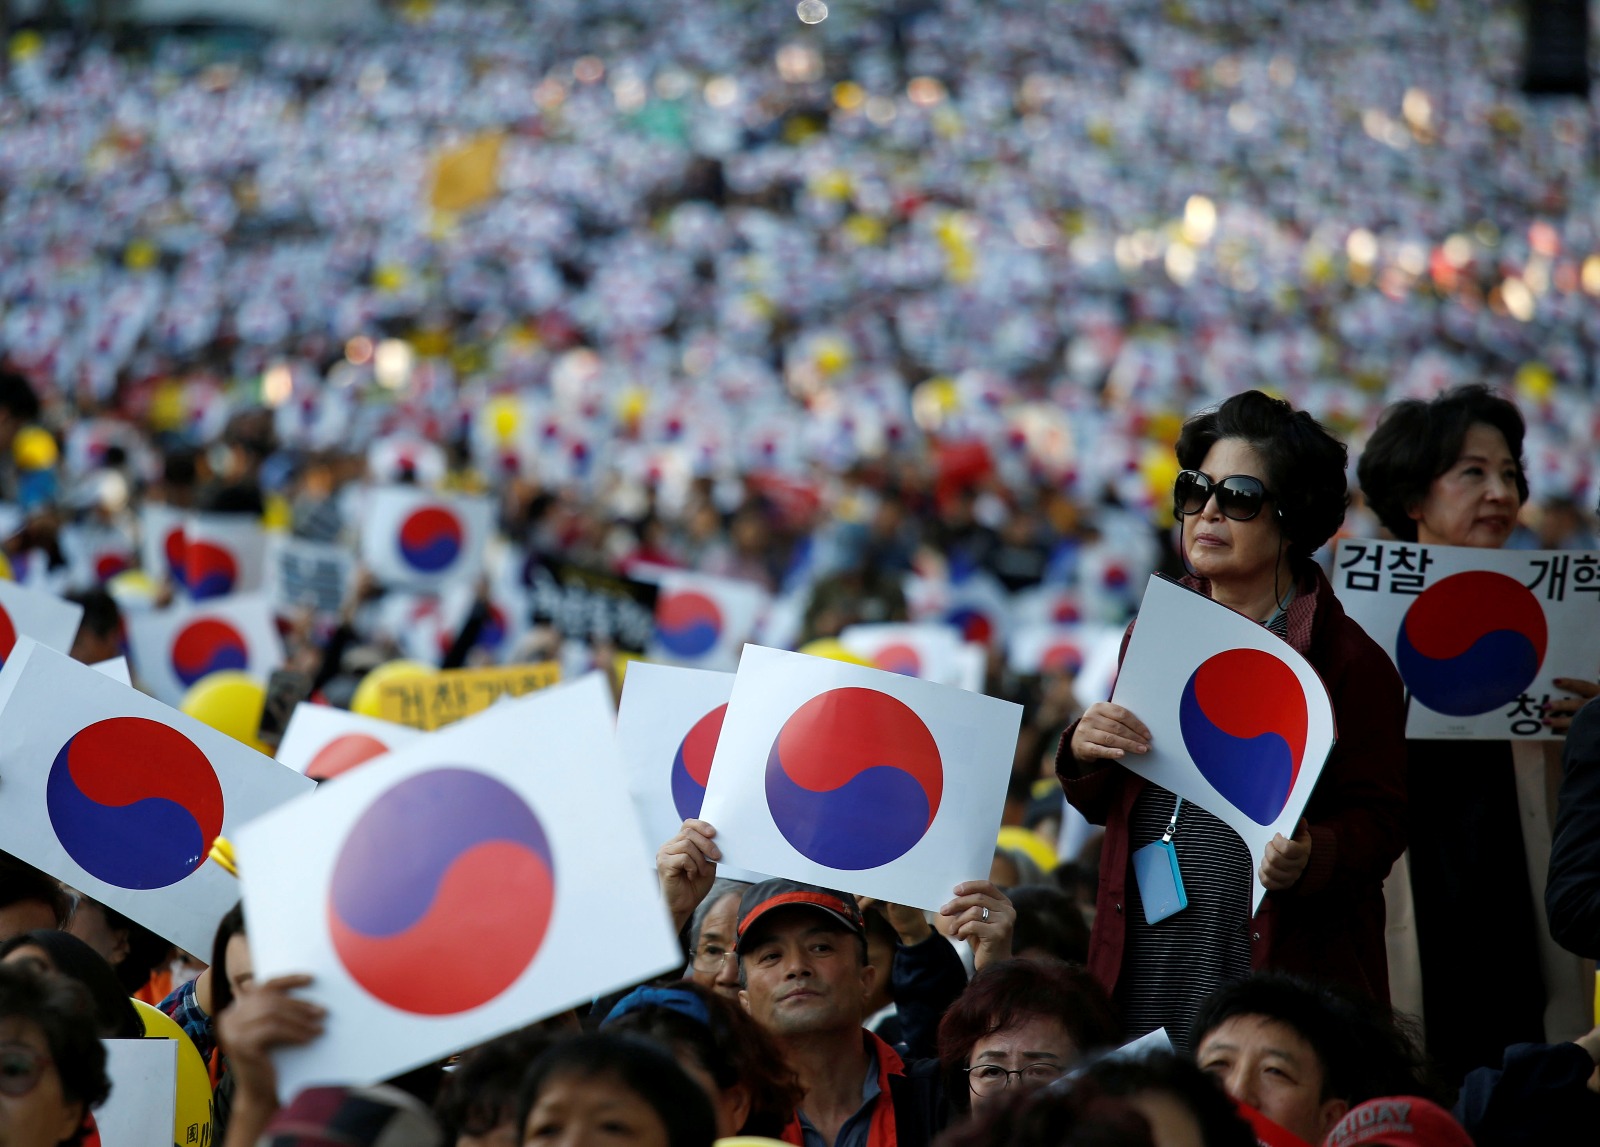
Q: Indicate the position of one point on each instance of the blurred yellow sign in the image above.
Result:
(431, 702)
(466, 176)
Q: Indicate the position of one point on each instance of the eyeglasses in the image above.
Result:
(709, 957)
(1239, 496)
(20, 1069)
(991, 1079)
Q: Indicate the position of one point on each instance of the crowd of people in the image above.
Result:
(882, 307)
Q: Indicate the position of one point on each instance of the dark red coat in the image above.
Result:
(1330, 925)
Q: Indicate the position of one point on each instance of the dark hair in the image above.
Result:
(231, 925)
(1304, 464)
(1201, 1095)
(1416, 441)
(72, 958)
(21, 882)
(643, 1068)
(146, 950)
(1364, 1051)
(1055, 1117)
(17, 396)
(734, 1049)
(721, 889)
(482, 1092)
(62, 1010)
(1013, 992)
(1049, 919)
(101, 615)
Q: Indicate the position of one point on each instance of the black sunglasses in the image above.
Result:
(1239, 496)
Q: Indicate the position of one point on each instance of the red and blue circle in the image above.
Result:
(8, 635)
(854, 779)
(134, 802)
(974, 624)
(1471, 643)
(174, 547)
(207, 645)
(209, 570)
(691, 764)
(1244, 720)
(342, 754)
(430, 539)
(899, 657)
(111, 563)
(1061, 657)
(688, 623)
(417, 900)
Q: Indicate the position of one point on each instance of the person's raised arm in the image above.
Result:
(686, 866)
(261, 1018)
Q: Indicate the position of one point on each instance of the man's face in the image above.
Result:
(1268, 1065)
(804, 974)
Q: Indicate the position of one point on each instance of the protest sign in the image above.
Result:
(161, 541)
(1088, 653)
(1478, 636)
(378, 886)
(308, 575)
(48, 619)
(854, 778)
(505, 620)
(222, 554)
(115, 668)
(414, 538)
(95, 554)
(928, 650)
(1239, 722)
(174, 648)
(122, 797)
(703, 621)
(440, 699)
(144, 1093)
(323, 742)
(591, 605)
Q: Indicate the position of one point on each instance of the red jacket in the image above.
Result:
(1330, 925)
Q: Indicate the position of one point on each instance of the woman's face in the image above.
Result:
(591, 1111)
(33, 1110)
(1039, 1048)
(1475, 502)
(241, 972)
(1228, 552)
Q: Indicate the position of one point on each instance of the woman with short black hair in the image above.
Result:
(612, 1091)
(1261, 489)
(52, 1063)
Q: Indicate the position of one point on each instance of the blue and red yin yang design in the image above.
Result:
(1244, 721)
(210, 570)
(431, 539)
(1471, 643)
(174, 547)
(342, 754)
(899, 657)
(688, 623)
(134, 802)
(408, 892)
(691, 764)
(973, 623)
(207, 645)
(8, 635)
(1061, 657)
(854, 779)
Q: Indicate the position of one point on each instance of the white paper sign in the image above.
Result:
(303, 574)
(48, 619)
(121, 797)
(927, 650)
(1478, 635)
(144, 1093)
(667, 728)
(414, 538)
(161, 529)
(322, 742)
(703, 621)
(115, 668)
(223, 554)
(174, 648)
(1239, 722)
(454, 893)
(857, 779)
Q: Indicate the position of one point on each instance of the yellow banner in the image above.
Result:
(429, 703)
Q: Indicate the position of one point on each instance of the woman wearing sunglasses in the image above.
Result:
(1262, 488)
(52, 1064)
(1449, 472)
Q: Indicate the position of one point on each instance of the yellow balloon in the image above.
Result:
(193, 1117)
(230, 702)
(503, 416)
(365, 700)
(6, 572)
(833, 649)
(1018, 839)
(34, 449)
(134, 584)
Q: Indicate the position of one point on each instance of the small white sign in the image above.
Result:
(222, 554)
(410, 537)
(703, 621)
(323, 742)
(144, 1093)
(177, 646)
(48, 619)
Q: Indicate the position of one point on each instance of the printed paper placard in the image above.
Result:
(144, 1093)
(161, 541)
(486, 852)
(174, 648)
(223, 554)
(48, 619)
(1478, 636)
(703, 621)
(413, 538)
(308, 575)
(927, 650)
(115, 668)
(121, 797)
(1239, 722)
(322, 742)
(858, 779)
(95, 554)
(503, 628)
(440, 699)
